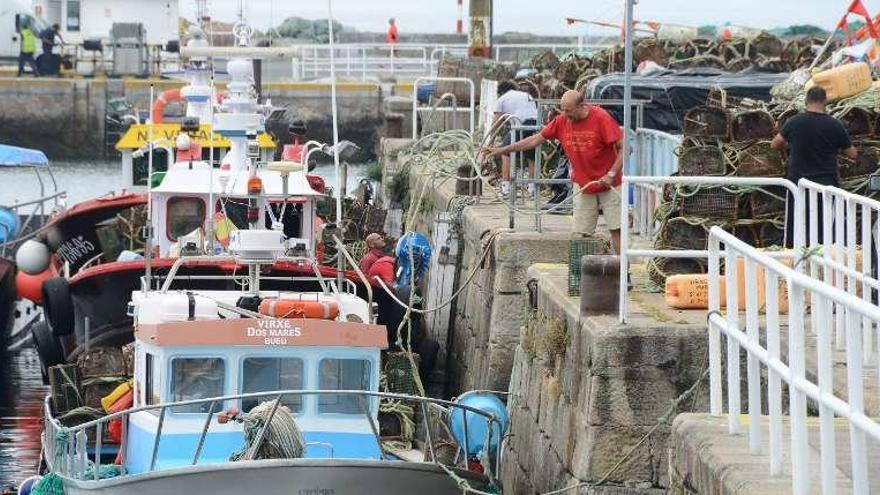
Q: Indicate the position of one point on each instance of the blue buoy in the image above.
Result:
(9, 225)
(421, 256)
(27, 486)
(478, 434)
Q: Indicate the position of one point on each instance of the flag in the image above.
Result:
(858, 8)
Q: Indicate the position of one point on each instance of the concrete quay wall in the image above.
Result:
(591, 401)
(65, 117)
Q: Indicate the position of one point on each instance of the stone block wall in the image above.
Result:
(592, 401)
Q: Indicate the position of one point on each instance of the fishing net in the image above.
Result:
(751, 125)
(767, 203)
(577, 249)
(682, 233)
(857, 121)
(400, 374)
(758, 160)
(661, 268)
(865, 163)
(708, 202)
(707, 121)
(282, 439)
(702, 160)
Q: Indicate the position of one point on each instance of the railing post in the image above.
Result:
(430, 438)
(99, 438)
(774, 382)
(715, 399)
(855, 396)
(800, 474)
(623, 289)
(826, 416)
(155, 451)
(733, 353)
(753, 370)
(201, 443)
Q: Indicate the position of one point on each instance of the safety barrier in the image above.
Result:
(436, 107)
(801, 289)
(368, 61)
(654, 156)
(844, 226)
(627, 254)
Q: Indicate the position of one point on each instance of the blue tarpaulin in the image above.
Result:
(13, 156)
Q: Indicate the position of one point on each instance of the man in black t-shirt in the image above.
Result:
(814, 139)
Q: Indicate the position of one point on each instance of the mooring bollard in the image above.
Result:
(600, 280)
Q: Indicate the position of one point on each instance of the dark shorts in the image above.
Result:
(530, 154)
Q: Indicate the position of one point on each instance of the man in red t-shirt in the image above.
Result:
(376, 246)
(592, 141)
(391, 37)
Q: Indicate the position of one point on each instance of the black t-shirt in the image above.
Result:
(814, 140)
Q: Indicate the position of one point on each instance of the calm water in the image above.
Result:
(21, 386)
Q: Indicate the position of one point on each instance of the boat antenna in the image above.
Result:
(148, 245)
(340, 263)
(210, 208)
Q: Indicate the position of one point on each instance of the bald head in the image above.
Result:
(573, 105)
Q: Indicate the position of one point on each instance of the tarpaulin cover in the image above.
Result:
(673, 93)
(13, 156)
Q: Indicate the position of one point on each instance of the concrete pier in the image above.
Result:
(65, 117)
(591, 401)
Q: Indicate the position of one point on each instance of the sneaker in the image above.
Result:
(504, 189)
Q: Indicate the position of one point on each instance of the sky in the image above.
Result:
(539, 17)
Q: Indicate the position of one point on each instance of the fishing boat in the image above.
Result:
(268, 391)
(20, 222)
(190, 184)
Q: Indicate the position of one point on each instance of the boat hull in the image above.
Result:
(289, 477)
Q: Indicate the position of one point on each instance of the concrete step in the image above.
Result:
(705, 459)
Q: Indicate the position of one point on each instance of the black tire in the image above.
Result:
(48, 348)
(58, 306)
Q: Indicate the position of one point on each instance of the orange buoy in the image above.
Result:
(295, 308)
(31, 286)
(157, 110)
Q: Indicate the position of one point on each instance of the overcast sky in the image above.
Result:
(541, 17)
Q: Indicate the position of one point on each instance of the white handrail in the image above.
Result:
(800, 288)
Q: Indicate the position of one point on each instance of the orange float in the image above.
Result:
(295, 308)
(31, 286)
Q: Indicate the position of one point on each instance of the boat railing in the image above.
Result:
(253, 276)
(70, 453)
(35, 208)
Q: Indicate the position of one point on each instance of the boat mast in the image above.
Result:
(340, 264)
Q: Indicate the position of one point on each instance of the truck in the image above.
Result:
(13, 14)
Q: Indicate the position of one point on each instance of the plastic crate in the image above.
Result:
(577, 249)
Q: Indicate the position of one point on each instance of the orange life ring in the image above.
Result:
(157, 111)
(295, 308)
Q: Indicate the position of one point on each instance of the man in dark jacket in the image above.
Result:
(814, 140)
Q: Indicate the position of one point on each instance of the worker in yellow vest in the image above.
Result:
(28, 47)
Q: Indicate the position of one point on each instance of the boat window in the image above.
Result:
(343, 374)
(236, 211)
(141, 167)
(184, 216)
(73, 15)
(267, 374)
(197, 378)
(151, 387)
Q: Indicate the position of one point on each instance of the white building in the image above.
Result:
(87, 19)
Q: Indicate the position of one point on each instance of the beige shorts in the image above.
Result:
(586, 211)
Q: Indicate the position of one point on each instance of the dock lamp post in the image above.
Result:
(627, 124)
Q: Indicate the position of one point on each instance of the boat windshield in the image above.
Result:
(343, 374)
(197, 378)
(263, 374)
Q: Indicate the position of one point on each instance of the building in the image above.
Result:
(87, 19)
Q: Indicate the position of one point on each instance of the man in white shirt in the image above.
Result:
(522, 107)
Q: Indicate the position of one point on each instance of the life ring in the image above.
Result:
(295, 308)
(157, 110)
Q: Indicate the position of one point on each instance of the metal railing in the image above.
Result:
(654, 156)
(845, 226)
(70, 453)
(627, 254)
(39, 208)
(453, 109)
(367, 61)
(801, 289)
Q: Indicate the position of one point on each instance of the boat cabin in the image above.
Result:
(187, 347)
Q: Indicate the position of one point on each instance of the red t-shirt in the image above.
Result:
(383, 268)
(590, 145)
(370, 258)
(391, 37)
